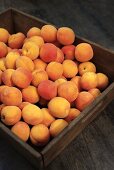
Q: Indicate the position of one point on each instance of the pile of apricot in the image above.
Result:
(45, 81)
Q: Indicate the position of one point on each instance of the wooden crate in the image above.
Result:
(16, 21)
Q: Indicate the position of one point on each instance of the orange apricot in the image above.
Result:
(2, 64)
(22, 77)
(65, 36)
(10, 61)
(48, 118)
(3, 50)
(68, 90)
(86, 67)
(11, 96)
(103, 81)
(23, 104)
(32, 114)
(39, 64)
(70, 68)
(95, 92)
(83, 100)
(22, 130)
(69, 52)
(39, 135)
(89, 80)
(16, 40)
(49, 33)
(37, 40)
(73, 113)
(57, 127)
(31, 50)
(7, 77)
(48, 52)
(30, 94)
(38, 77)
(47, 89)
(54, 70)
(59, 107)
(25, 62)
(60, 56)
(77, 81)
(83, 52)
(10, 115)
(34, 31)
(4, 35)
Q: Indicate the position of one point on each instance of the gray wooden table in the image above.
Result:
(93, 149)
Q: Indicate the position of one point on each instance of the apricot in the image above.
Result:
(25, 62)
(54, 70)
(59, 107)
(23, 104)
(4, 35)
(22, 130)
(31, 50)
(37, 40)
(77, 81)
(73, 113)
(22, 77)
(34, 31)
(89, 80)
(83, 100)
(2, 64)
(39, 135)
(1, 107)
(32, 114)
(48, 52)
(7, 77)
(83, 52)
(70, 68)
(2, 87)
(68, 90)
(30, 94)
(48, 118)
(10, 61)
(16, 40)
(1, 77)
(60, 56)
(49, 33)
(47, 89)
(95, 92)
(103, 81)
(69, 52)
(11, 96)
(39, 64)
(86, 67)
(10, 115)
(65, 36)
(3, 50)
(42, 102)
(57, 127)
(60, 81)
(38, 77)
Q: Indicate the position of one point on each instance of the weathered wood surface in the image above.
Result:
(94, 148)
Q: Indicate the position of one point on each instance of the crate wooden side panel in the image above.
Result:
(23, 22)
(54, 148)
(25, 149)
(6, 20)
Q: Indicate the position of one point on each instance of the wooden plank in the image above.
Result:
(25, 149)
(90, 113)
(6, 20)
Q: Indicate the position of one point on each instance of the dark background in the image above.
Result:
(93, 149)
